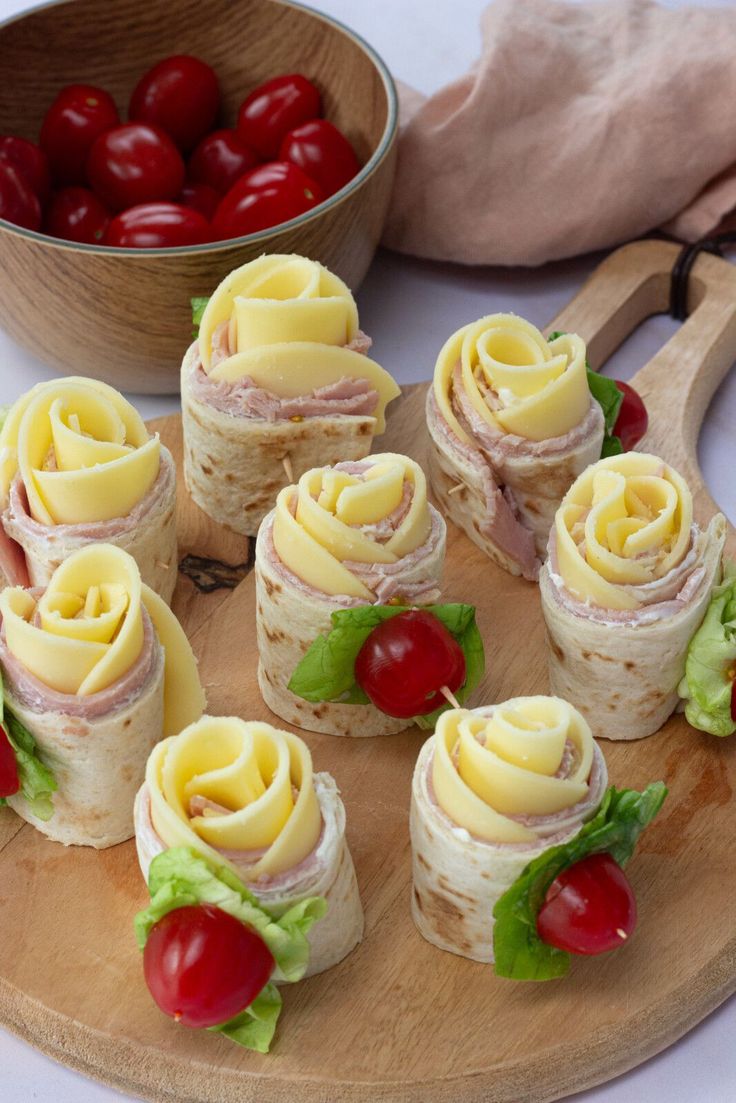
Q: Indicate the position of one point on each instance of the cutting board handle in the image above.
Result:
(678, 383)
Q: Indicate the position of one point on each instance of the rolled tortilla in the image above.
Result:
(78, 467)
(98, 670)
(243, 794)
(494, 788)
(354, 534)
(512, 424)
(626, 585)
(279, 378)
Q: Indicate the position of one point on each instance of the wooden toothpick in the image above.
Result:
(288, 468)
(450, 696)
(454, 489)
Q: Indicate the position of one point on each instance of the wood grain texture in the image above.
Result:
(400, 1021)
(124, 318)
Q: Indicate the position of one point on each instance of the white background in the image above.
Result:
(409, 308)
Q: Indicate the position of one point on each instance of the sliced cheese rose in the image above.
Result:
(489, 769)
(288, 320)
(626, 521)
(86, 631)
(516, 381)
(225, 784)
(83, 452)
(333, 517)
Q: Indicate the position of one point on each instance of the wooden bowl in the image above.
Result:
(123, 315)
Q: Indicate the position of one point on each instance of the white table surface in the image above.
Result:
(410, 307)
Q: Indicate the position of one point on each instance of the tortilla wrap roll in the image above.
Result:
(278, 378)
(243, 795)
(78, 467)
(512, 423)
(626, 585)
(98, 669)
(354, 534)
(494, 788)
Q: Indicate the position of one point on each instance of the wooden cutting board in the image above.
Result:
(399, 1020)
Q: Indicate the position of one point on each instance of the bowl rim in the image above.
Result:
(373, 162)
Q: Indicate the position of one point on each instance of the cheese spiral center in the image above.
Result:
(86, 630)
(513, 762)
(625, 521)
(236, 785)
(337, 515)
(515, 380)
(83, 452)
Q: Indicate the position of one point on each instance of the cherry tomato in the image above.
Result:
(135, 163)
(78, 115)
(323, 152)
(181, 95)
(30, 162)
(200, 197)
(264, 197)
(18, 203)
(220, 159)
(9, 779)
(76, 214)
(202, 966)
(274, 108)
(589, 909)
(631, 423)
(157, 226)
(405, 661)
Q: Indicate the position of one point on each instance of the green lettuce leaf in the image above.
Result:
(609, 398)
(181, 877)
(327, 671)
(198, 307)
(707, 684)
(37, 782)
(254, 1028)
(519, 951)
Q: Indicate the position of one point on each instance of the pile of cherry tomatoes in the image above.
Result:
(166, 177)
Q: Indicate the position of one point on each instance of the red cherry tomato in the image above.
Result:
(220, 159)
(30, 162)
(135, 163)
(78, 115)
(9, 778)
(76, 214)
(264, 197)
(589, 909)
(200, 197)
(181, 95)
(18, 203)
(405, 661)
(157, 226)
(202, 966)
(323, 152)
(274, 108)
(632, 421)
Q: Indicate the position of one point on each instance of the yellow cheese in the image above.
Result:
(260, 775)
(486, 769)
(314, 531)
(540, 387)
(624, 522)
(300, 367)
(261, 293)
(86, 631)
(82, 451)
(184, 698)
(289, 320)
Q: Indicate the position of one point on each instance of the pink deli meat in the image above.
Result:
(347, 397)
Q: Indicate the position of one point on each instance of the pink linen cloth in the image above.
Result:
(581, 127)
